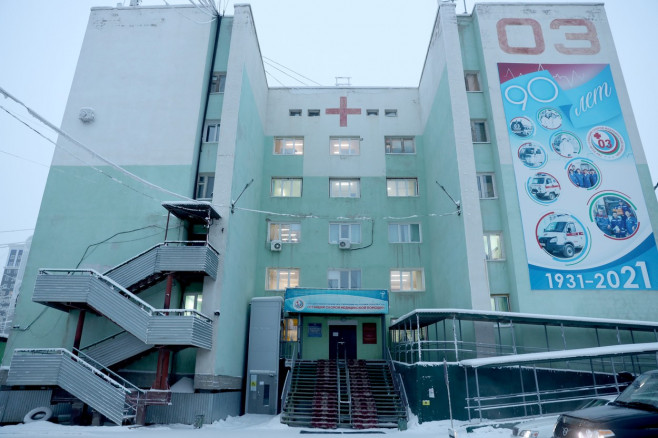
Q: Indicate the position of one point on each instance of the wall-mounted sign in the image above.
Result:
(352, 301)
(315, 330)
(585, 221)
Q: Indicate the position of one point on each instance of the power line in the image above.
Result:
(275, 78)
(23, 158)
(16, 231)
(289, 75)
(288, 68)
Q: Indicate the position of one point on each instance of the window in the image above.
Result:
(344, 188)
(493, 248)
(192, 301)
(372, 112)
(400, 145)
(404, 233)
(391, 112)
(290, 330)
(314, 113)
(15, 257)
(286, 187)
(472, 81)
(402, 186)
(205, 185)
(295, 113)
(500, 303)
(339, 231)
(344, 279)
(344, 146)
(406, 280)
(211, 132)
(479, 131)
(218, 82)
(285, 232)
(281, 278)
(289, 146)
(486, 187)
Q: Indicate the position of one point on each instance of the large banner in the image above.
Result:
(584, 218)
(353, 301)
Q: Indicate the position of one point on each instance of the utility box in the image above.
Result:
(263, 356)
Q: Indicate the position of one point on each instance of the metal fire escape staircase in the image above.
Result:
(145, 326)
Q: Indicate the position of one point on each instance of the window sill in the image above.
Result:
(481, 142)
(406, 291)
(488, 199)
(495, 260)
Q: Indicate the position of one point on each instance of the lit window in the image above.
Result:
(493, 246)
(314, 113)
(286, 187)
(404, 233)
(344, 188)
(500, 303)
(338, 231)
(280, 279)
(285, 232)
(391, 112)
(205, 185)
(289, 146)
(400, 145)
(479, 131)
(402, 186)
(407, 280)
(211, 132)
(192, 301)
(344, 146)
(218, 82)
(472, 81)
(295, 113)
(290, 330)
(344, 279)
(486, 187)
(372, 112)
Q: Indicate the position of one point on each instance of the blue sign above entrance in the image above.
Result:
(353, 301)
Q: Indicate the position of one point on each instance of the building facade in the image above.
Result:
(511, 179)
(12, 277)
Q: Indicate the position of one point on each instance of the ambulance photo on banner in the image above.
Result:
(585, 222)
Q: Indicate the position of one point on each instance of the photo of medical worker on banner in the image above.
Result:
(583, 174)
(615, 217)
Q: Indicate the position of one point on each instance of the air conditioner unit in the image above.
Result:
(275, 245)
(344, 243)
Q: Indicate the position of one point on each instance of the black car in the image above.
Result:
(634, 414)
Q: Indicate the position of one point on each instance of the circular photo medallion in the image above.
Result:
(605, 142)
(565, 144)
(614, 215)
(583, 173)
(522, 126)
(562, 236)
(532, 155)
(549, 118)
(543, 188)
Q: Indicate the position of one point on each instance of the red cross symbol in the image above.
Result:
(343, 111)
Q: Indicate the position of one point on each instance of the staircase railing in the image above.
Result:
(398, 383)
(288, 382)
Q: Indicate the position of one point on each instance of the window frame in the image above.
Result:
(291, 232)
(198, 300)
(410, 271)
(206, 131)
(313, 113)
(478, 83)
(487, 246)
(480, 184)
(296, 149)
(398, 195)
(206, 185)
(349, 278)
(389, 149)
(399, 226)
(340, 151)
(350, 225)
(292, 181)
(341, 181)
(493, 297)
(279, 271)
(219, 85)
(372, 112)
(390, 113)
(487, 138)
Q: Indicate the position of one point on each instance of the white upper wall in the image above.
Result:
(141, 70)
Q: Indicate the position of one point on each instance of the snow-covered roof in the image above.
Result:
(578, 353)
(426, 317)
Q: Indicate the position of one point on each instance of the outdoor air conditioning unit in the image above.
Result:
(344, 243)
(275, 245)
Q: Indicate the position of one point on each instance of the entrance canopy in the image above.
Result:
(350, 301)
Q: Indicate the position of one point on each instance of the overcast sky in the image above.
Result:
(375, 42)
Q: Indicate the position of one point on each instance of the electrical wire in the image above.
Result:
(274, 77)
(289, 75)
(25, 159)
(16, 231)
(288, 68)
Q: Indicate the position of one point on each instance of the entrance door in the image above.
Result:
(342, 342)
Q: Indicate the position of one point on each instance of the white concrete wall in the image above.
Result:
(141, 70)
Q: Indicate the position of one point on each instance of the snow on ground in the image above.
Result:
(247, 426)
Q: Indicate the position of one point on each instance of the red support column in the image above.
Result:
(162, 371)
